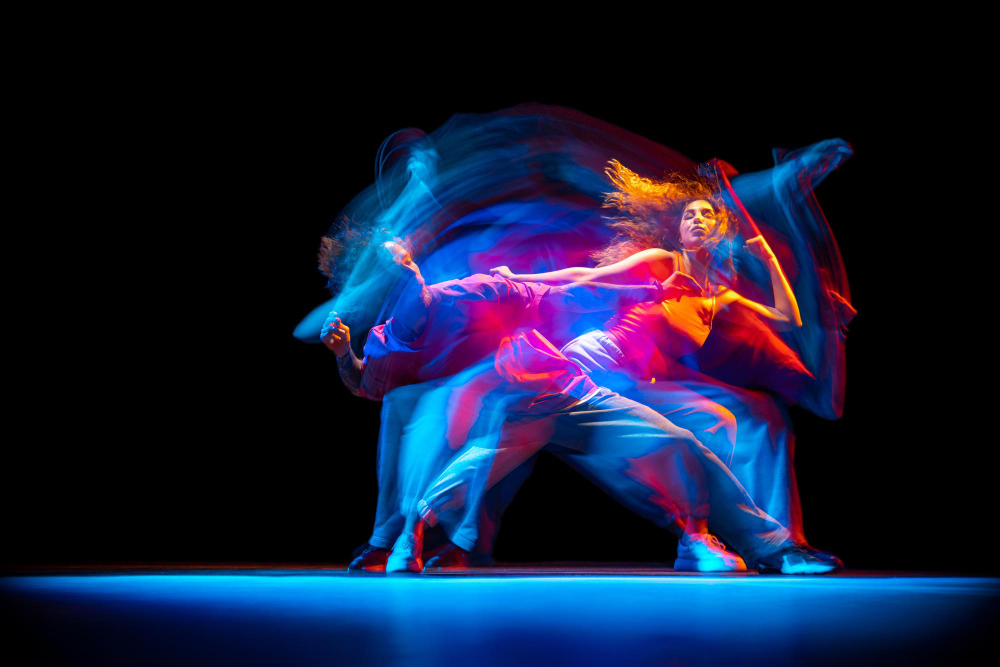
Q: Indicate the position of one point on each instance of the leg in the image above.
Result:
(675, 472)
(459, 415)
(760, 448)
(456, 497)
(764, 453)
(398, 407)
(759, 451)
(483, 527)
(397, 410)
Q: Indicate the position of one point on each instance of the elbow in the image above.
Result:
(789, 317)
(786, 320)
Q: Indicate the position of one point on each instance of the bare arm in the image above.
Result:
(786, 308)
(652, 264)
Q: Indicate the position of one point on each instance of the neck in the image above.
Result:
(697, 260)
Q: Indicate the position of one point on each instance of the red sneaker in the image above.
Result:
(449, 557)
(371, 559)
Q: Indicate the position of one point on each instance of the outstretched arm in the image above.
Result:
(588, 297)
(652, 264)
(786, 308)
(337, 337)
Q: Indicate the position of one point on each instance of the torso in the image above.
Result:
(652, 335)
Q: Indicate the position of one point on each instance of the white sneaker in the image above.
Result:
(705, 553)
(799, 559)
(406, 554)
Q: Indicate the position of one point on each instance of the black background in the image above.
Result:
(193, 427)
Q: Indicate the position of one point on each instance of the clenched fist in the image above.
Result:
(336, 335)
(758, 247)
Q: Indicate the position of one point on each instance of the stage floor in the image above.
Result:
(524, 615)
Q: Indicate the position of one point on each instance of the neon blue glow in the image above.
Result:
(280, 616)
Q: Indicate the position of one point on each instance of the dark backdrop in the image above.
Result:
(193, 427)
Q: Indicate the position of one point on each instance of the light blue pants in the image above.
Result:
(750, 431)
(650, 464)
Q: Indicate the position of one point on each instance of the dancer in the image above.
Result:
(637, 352)
(655, 334)
(602, 423)
(478, 173)
(440, 329)
(464, 322)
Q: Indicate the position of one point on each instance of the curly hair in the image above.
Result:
(345, 246)
(649, 213)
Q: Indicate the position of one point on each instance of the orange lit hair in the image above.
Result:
(649, 213)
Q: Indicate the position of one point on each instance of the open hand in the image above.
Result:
(336, 335)
(680, 284)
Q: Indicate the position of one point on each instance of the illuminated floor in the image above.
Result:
(520, 616)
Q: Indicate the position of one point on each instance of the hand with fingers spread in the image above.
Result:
(336, 335)
(680, 284)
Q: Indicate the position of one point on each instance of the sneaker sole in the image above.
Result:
(412, 566)
(811, 569)
(686, 565)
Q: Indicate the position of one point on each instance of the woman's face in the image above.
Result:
(697, 224)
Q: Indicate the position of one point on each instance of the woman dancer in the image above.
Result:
(460, 178)
(439, 329)
(592, 420)
(654, 334)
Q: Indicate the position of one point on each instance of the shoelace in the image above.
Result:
(714, 541)
(709, 540)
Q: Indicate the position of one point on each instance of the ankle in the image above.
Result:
(696, 527)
